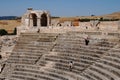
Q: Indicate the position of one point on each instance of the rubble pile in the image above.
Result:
(7, 44)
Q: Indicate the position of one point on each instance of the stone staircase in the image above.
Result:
(30, 48)
(46, 56)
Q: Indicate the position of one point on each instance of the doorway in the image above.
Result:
(44, 20)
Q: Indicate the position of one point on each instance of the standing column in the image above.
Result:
(119, 25)
(48, 20)
(38, 22)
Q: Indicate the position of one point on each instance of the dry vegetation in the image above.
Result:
(9, 25)
(115, 15)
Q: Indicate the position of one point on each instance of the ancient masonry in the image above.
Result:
(47, 56)
(34, 19)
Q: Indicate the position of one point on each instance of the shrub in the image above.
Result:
(3, 32)
(84, 20)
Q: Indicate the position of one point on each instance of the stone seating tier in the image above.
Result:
(73, 50)
(106, 68)
(46, 57)
(33, 72)
(34, 48)
(86, 32)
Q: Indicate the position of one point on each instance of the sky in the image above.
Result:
(60, 8)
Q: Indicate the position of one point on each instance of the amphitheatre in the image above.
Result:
(43, 49)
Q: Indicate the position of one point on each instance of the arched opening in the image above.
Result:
(59, 24)
(43, 20)
(34, 19)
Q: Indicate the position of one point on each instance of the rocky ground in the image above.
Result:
(7, 44)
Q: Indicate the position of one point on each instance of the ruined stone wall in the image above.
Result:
(7, 44)
(57, 23)
(108, 25)
(32, 20)
(118, 25)
(103, 26)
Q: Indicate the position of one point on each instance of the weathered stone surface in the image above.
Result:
(32, 20)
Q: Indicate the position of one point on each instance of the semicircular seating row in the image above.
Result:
(33, 59)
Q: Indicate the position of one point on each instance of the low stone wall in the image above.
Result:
(102, 26)
(108, 25)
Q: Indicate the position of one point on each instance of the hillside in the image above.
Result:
(9, 25)
(115, 15)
